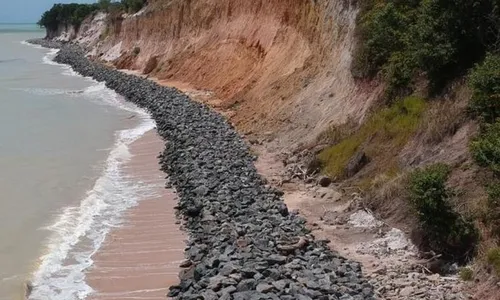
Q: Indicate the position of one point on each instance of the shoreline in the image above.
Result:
(235, 221)
(79, 230)
(141, 256)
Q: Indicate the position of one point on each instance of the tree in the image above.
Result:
(133, 6)
(104, 4)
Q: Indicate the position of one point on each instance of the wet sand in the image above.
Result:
(140, 260)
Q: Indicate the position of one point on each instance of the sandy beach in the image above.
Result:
(140, 259)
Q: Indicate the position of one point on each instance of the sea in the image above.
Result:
(63, 141)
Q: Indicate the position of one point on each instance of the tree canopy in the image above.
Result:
(66, 14)
(74, 13)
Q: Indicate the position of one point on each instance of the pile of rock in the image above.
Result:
(46, 43)
(396, 283)
(244, 243)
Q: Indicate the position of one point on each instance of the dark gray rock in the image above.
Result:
(276, 259)
(209, 295)
(356, 163)
(280, 285)
(246, 285)
(264, 287)
(186, 263)
(324, 181)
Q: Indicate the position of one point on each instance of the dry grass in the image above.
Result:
(443, 119)
(388, 198)
(336, 133)
(493, 259)
(466, 274)
(382, 137)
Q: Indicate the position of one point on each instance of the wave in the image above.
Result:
(32, 45)
(79, 231)
(4, 61)
(61, 273)
(49, 58)
(49, 91)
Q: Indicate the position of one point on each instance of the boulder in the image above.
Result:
(356, 163)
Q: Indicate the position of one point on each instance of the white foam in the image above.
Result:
(79, 231)
(32, 45)
(49, 91)
(61, 272)
(48, 58)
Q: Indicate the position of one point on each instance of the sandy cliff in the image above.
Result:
(277, 66)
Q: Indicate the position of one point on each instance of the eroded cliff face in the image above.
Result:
(280, 70)
(280, 67)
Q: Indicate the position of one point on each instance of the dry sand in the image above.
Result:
(140, 260)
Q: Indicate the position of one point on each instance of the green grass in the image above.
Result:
(466, 274)
(388, 128)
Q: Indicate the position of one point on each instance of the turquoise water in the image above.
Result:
(57, 131)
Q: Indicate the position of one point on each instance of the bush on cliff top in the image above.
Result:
(74, 14)
(439, 39)
(485, 83)
(485, 148)
(445, 231)
(133, 6)
(66, 14)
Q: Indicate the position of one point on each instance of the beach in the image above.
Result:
(141, 258)
(84, 213)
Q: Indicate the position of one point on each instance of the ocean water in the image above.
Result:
(63, 139)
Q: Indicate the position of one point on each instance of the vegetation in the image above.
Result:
(390, 127)
(492, 212)
(445, 230)
(485, 83)
(66, 14)
(485, 148)
(74, 14)
(493, 258)
(466, 274)
(133, 6)
(104, 4)
(438, 39)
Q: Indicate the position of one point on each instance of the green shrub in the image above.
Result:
(439, 39)
(485, 83)
(485, 148)
(399, 73)
(66, 14)
(493, 258)
(382, 29)
(466, 274)
(133, 6)
(445, 231)
(104, 4)
(492, 212)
